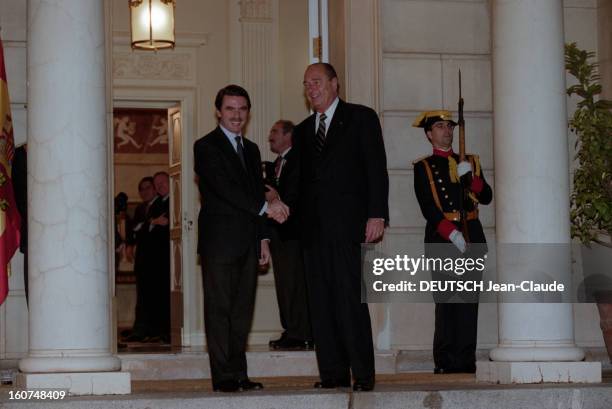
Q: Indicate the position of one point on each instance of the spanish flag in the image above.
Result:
(9, 216)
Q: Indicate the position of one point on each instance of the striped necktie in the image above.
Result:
(320, 138)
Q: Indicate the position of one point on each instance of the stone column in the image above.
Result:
(536, 341)
(68, 202)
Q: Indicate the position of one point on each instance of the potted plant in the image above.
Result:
(591, 197)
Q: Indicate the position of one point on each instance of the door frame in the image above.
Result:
(160, 97)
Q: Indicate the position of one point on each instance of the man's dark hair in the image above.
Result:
(287, 127)
(231, 90)
(144, 180)
(161, 173)
(121, 201)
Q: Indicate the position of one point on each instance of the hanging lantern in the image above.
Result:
(152, 23)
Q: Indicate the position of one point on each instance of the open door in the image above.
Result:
(176, 230)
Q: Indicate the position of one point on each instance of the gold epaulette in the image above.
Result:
(420, 159)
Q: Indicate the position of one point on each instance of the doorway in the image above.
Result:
(146, 168)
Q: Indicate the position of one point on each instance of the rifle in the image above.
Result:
(464, 193)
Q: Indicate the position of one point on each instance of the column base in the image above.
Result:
(78, 383)
(538, 372)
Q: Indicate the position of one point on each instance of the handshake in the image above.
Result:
(276, 210)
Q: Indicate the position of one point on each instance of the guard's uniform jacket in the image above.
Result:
(438, 192)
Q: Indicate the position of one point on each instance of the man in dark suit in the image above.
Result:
(159, 260)
(285, 244)
(441, 182)
(137, 239)
(231, 237)
(20, 186)
(344, 202)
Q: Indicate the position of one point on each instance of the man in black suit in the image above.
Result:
(232, 236)
(137, 239)
(20, 187)
(440, 184)
(344, 202)
(285, 244)
(159, 260)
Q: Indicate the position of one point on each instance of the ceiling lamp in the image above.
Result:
(152, 23)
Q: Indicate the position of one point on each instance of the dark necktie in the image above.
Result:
(277, 166)
(240, 150)
(320, 138)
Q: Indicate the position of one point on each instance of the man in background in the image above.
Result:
(19, 172)
(138, 241)
(285, 244)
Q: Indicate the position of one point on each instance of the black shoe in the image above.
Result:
(275, 342)
(363, 386)
(332, 383)
(153, 339)
(292, 344)
(229, 385)
(248, 385)
(135, 338)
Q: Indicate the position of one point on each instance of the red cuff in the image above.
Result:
(477, 184)
(445, 228)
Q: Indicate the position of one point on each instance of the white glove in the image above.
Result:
(457, 239)
(463, 168)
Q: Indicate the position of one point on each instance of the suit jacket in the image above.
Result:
(348, 182)
(231, 197)
(288, 187)
(20, 187)
(160, 234)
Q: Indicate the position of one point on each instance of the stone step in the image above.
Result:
(392, 391)
(193, 364)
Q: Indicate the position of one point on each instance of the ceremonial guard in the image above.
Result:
(449, 189)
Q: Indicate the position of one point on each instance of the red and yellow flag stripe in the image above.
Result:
(9, 216)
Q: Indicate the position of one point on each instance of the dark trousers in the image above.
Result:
(290, 285)
(152, 313)
(454, 344)
(140, 314)
(229, 299)
(456, 327)
(340, 322)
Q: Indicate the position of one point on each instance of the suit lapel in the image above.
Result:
(288, 165)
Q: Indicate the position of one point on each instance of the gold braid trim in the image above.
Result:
(432, 185)
(452, 170)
